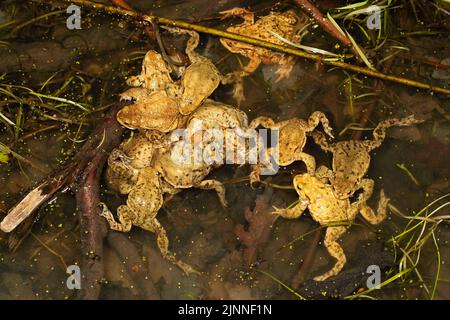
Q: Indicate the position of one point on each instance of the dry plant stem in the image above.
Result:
(93, 228)
(36, 197)
(21, 217)
(321, 20)
(307, 262)
(260, 43)
(378, 87)
(107, 130)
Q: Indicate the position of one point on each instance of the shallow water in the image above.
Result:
(202, 233)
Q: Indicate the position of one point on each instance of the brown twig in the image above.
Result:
(260, 43)
(307, 262)
(83, 171)
(378, 87)
(122, 4)
(93, 227)
(64, 176)
(321, 20)
(423, 60)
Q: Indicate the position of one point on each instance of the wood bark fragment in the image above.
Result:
(83, 173)
(93, 227)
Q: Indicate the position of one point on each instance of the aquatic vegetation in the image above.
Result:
(363, 62)
(409, 246)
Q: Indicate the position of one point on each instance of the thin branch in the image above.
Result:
(321, 20)
(260, 43)
(63, 177)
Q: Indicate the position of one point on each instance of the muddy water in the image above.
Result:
(201, 232)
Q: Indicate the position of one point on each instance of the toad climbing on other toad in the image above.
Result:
(351, 159)
(291, 141)
(161, 103)
(147, 167)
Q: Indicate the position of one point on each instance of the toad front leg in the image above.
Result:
(271, 160)
(200, 78)
(246, 15)
(324, 174)
(319, 117)
(237, 78)
(291, 213)
(216, 185)
(120, 175)
(263, 162)
(286, 64)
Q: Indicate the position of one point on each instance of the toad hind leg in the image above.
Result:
(379, 133)
(370, 216)
(318, 117)
(216, 185)
(153, 225)
(335, 250)
(126, 218)
(263, 121)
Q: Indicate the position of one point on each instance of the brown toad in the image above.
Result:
(153, 164)
(159, 102)
(265, 28)
(147, 185)
(291, 140)
(351, 159)
(317, 196)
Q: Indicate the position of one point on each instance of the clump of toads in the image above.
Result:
(143, 166)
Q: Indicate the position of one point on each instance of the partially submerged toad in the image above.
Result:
(152, 164)
(336, 214)
(268, 28)
(351, 159)
(162, 104)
